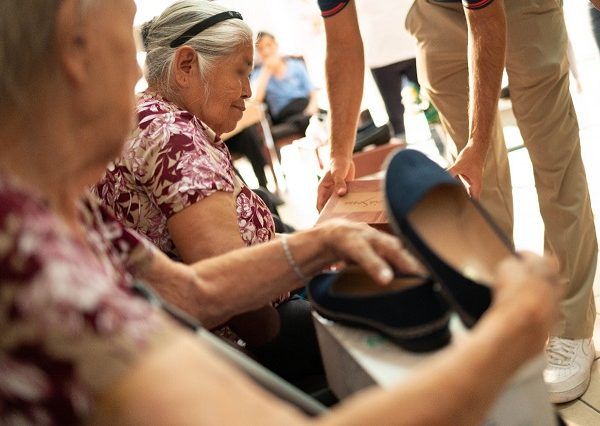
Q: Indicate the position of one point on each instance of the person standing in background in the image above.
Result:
(390, 53)
(462, 51)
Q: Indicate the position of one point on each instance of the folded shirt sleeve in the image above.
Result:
(331, 7)
(184, 169)
(476, 4)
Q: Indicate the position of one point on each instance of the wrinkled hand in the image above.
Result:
(527, 295)
(342, 170)
(469, 166)
(378, 253)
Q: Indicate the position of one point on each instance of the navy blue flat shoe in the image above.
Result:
(451, 234)
(408, 311)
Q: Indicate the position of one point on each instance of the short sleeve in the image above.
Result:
(133, 250)
(69, 330)
(331, 7)
(476, 4)
(180, 166)
(304, 77)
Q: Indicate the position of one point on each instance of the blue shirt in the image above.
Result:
(293, 85)
(332, 7)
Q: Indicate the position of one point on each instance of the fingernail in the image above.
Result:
(386, 275)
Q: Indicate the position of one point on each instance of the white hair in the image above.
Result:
(26, 47)
(218, 41)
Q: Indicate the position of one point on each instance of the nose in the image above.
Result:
(246, 89)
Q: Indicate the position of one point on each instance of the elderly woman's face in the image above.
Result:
(228, 87)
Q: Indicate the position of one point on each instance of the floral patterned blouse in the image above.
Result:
(172, 162)
(69, 323)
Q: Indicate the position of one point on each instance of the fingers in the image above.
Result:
(335, 181)
(339, 181)
(325, 191)
(379, 254)
(364, 255)
(530, 289)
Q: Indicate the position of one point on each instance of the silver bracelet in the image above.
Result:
(290, 259)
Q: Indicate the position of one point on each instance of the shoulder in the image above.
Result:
(159, 118)
(163, 127)
(38, 258)
(331, 7)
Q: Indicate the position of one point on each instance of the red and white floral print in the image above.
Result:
(172, 162)
(69, 322)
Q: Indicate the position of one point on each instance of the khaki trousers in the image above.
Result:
(538, 73)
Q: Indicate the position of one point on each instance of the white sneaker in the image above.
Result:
(567, 374)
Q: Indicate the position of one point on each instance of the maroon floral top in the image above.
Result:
(172, 162)
(69, 324)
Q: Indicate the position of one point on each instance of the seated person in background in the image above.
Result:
(284, 84)
(248, 144)
(175, 183)
(76, 345)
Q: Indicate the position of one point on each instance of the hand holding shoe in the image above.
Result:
(526, 299)
(376, 252)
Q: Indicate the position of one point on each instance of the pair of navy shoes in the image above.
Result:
(450, 234)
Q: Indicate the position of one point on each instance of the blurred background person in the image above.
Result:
(283, 84)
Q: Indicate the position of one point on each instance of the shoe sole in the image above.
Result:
(569, 395)
(423, 338)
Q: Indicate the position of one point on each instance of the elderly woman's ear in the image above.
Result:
(72, 41)
(185, 65)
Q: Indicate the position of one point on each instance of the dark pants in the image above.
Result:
(248, 144)
(293, 113)
(389, 82)
(595, 21)
(294, 354)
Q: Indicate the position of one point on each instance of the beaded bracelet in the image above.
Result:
(290, 259)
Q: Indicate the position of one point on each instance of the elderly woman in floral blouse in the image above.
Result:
(77, 345)
(175, 182)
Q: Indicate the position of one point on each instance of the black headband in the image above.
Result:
(202, 25)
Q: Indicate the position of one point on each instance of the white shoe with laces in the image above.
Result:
(567, 374)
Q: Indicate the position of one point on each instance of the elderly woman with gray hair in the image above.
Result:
(175, 183)
(77, 345)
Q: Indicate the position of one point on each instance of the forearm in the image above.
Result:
(486, 53)
(245, 279)
(260, 88)
(454, 386)
(345, 76)
(313, 101)
(184, 382)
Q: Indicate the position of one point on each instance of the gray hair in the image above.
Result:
(26, 47)
(218, 41)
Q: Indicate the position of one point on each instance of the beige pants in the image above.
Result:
(538, 74)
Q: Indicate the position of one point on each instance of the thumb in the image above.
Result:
(339, 183)
(454, 170)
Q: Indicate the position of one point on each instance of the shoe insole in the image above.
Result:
(454, 229)
(356, 282)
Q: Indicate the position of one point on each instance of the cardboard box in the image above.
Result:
(370, 162)
(363, 203)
